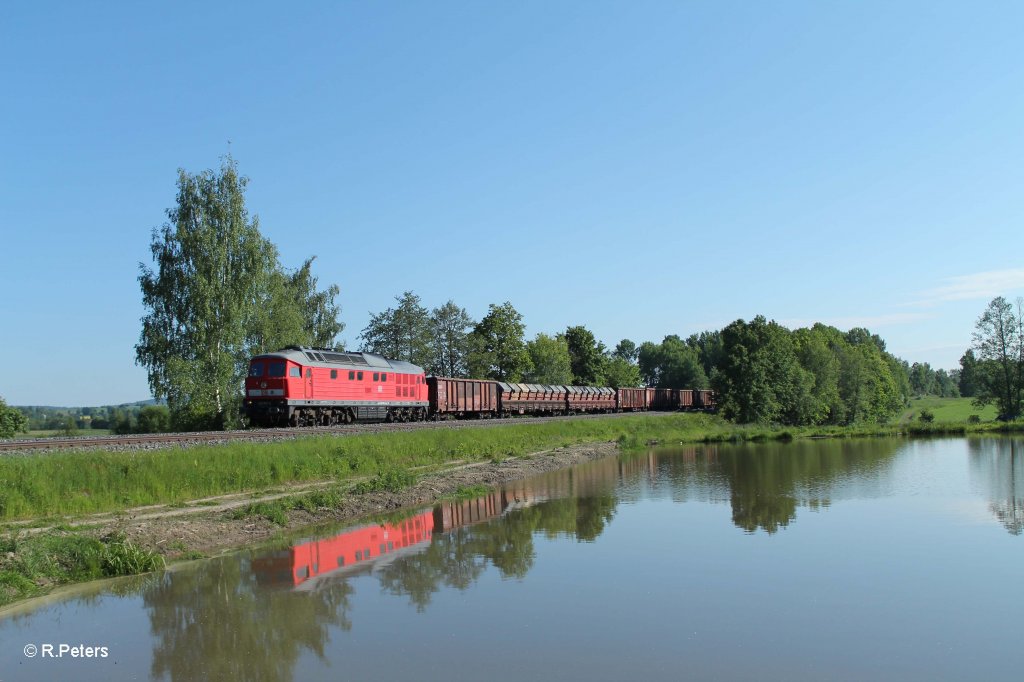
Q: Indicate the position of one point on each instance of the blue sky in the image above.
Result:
(642, 168)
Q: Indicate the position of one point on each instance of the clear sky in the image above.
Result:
(641, 168)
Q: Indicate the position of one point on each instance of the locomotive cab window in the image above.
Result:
(276, 369)
(295, 372)
(256, 370)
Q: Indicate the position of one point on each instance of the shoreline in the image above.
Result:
(176, 535)
(213, 532)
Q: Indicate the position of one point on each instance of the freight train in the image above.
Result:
(300, 386)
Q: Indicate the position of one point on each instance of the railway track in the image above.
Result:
(146, 441)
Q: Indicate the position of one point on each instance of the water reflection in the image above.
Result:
(998, 466)
(272, 614)
(216, 623)
(765, 484)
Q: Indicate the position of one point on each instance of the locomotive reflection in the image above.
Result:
(364, 549)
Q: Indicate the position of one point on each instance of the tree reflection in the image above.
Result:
(457, 558)
(447, 561)
(213, 623)
(997, 464)
(767, 483)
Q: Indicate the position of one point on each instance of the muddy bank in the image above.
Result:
(185, 532)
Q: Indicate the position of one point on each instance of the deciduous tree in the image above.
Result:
(627, 350)
(586, 356)
(999, 346)
(207, 296)
(497, 347)
(549, 356)
(969, 378)
(12, 420)
(401, 333)
(450, 327)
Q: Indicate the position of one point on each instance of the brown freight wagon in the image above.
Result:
(705, 400)
(590, 399)
(454, 398)
(684, 399)
(632, 399)
(664, 399)
(530, 398)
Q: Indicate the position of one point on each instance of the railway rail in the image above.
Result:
(155, 440)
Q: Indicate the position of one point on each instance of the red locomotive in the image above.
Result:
(301, 386)
(310, 386)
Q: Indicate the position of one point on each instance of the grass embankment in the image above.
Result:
(53, 486)
(77, 483)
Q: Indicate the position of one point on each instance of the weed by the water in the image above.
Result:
(121, 557)
(32, 564)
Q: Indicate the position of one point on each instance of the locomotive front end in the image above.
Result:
(266, 390)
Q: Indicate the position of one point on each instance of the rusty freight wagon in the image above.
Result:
(632, 399)
(590, 399)
(684, 399)
(705, 400)
(531, 398)
(459, 398)
(663, 399)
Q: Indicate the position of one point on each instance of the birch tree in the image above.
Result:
(216, 295)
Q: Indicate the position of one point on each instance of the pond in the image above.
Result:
(825, 560)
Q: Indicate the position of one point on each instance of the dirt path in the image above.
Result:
(207, 526)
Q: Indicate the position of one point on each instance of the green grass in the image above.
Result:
(946, 410)
(276, 511)
(58, 557)
(391, 481)
(63, 484)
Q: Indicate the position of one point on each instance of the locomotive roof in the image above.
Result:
(322, 357)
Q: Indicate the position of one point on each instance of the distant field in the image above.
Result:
(947, 410)
(52, 433)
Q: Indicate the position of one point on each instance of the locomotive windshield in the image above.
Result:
(276, 369)
(256, 370)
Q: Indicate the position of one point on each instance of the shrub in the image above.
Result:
(926, 417)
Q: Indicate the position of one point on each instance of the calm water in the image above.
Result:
(812, 561)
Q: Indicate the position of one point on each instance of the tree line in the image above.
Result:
(217, 295)
(446, 341)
